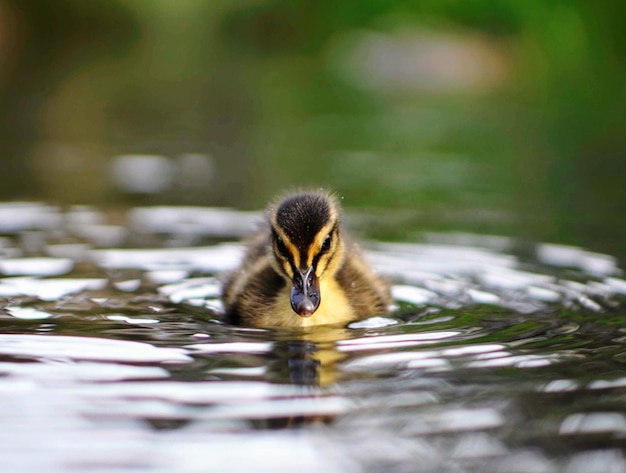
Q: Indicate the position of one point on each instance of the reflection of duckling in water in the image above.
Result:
(309, 356)
(299, 271)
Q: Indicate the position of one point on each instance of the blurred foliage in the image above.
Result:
(272, 92)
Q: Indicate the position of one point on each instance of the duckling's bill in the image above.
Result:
(305, 293)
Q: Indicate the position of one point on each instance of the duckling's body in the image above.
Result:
(299, 271)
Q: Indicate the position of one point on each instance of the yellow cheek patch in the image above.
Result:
(287, 269)
(316, 246)
(292, 251)
(322, 264)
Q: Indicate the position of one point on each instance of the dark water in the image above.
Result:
(500, 356)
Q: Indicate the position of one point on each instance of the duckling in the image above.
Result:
(300, 270)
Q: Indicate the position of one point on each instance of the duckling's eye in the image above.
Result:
(326, 244)
(281, 248)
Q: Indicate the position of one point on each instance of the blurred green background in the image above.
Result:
(468, 115)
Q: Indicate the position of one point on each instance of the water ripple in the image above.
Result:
(496, 357)
(82, 348)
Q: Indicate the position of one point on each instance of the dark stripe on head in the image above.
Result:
(332, 234)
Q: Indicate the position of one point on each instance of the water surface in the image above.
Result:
(499, 355)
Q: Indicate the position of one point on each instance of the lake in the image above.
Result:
(500, 355)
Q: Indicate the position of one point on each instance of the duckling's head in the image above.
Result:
(306, 245)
